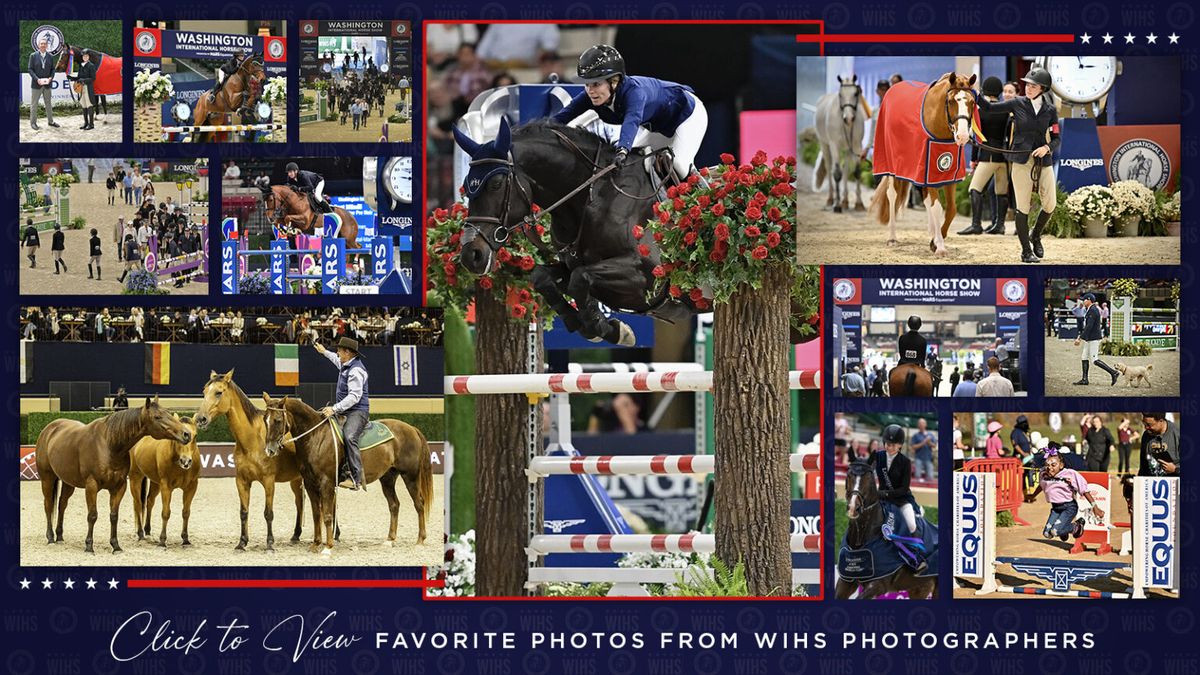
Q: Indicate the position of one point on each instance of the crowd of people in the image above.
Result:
(921, 447)
(401, 325)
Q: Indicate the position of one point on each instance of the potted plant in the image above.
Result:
(151, 88)
(1168, 213)
(1134, 202)
(275, 94)
(1094, 206)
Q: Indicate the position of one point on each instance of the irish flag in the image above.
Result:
(158, 363)
(287, 365)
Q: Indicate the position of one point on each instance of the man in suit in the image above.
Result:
(41, 72)
(1090, 336)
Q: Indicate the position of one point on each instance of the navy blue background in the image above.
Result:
(61, 630)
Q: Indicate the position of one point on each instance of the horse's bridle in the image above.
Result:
(848, 129)
(500, 231)
(861, 499)
(953, 119)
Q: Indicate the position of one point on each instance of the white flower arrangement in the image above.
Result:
(1133, 199)
(460, 571)
(68, 317)
(1169, 210)
(152, 86)
(261, 321)
(1095, 202)
(275, 91)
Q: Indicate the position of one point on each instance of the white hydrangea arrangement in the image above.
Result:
(152, 86)
(275, 91)
(1092, 202)
(460, 570)
(1133, 199)
(1170, 209)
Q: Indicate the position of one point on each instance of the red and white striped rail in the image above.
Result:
(645, 543)
(612, 465)
(611, 383)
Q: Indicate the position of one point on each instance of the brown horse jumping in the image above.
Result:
(222, 396)
(95, 456)
(291, 212)
(168, 465)
(237, 97)
(865, 513)
(909, 379)
(944, 113)
(405, 456)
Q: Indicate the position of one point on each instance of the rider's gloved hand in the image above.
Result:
(619, 160)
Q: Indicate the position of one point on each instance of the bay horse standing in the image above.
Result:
(95, 457)
(160, 467)
(920, 139)
(595, 257)
(864, 510)
(839, 128)
(320, 453)
(292, 212)
(222, 396)
(237, 97)
(909, 379)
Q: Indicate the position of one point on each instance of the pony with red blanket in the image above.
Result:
(108, 73)
(921, 139)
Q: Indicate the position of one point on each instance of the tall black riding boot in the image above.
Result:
(90, 271)
(997, 226)
(976, 214)
(1108, 369)
(98, 275)
(56, 264)
(1084, 380)
(1027, 255)
(1035, 237)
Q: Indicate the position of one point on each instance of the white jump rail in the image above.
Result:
(627, 581)
(634, 367)
(203, 128)
(545, 544)
(613, 465)
(592, 383)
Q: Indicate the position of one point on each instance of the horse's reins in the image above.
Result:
(328, 421)
(1035, 171)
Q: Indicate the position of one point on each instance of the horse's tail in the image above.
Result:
(881, 207)
(819, 170)
(910, 383)
(424, 473)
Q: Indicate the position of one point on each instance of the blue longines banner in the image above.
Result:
(1080, 160)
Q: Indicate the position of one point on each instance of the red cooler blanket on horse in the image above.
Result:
(906, 149)
(108, 76)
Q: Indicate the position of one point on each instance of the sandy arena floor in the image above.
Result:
(1063, 367)
(90, 200)
(108, 128)
(315, 132)
(214, 530)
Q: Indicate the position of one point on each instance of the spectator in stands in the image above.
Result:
(467, 79)
(620, 414)
(442, 41)
(238, 330)
(922, 444)
(33, 321)
(139, 323)
(550, 66)
(504, 79)
(517, 45)
(995, 384)
(104, 332)
(121, 400)
(232, 171)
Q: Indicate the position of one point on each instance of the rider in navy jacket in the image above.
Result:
(912, 345)
(650, 111)
(308, 182)
(1090, 334)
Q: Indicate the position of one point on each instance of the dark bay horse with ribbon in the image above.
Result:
(95, 457)
(594, 257)
(237, 97)
(921, 136)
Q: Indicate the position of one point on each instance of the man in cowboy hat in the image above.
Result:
(353, 401)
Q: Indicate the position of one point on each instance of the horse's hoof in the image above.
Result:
(837, 209)
(941, 252)
(117, 550)
(313, 548)
(893, 242)
(185, 543)
(269, 551)
(240, 547)
(859, 207)
(389, 543)
(327, 552)
(627, 339)
(162, 544)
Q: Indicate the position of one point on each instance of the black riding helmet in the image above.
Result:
(600, 62)
(893, 433)
(292, 166)
(914, 322)
(1022, 423)
(1039, 76)
(992, 86)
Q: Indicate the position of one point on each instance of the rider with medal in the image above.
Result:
(893, 471)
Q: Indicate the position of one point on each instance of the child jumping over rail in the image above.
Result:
(1061, 485)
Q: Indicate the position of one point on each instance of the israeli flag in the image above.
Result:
(406, 365)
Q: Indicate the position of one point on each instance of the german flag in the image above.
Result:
(158, 363)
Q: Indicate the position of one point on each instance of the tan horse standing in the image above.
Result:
(168, 465)
(945, 113)
(222, 396)
(405, 456)
(291, 212)
(238, 96)
(95, 457)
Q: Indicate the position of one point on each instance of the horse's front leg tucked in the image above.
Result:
(622, 278)
(550, 281)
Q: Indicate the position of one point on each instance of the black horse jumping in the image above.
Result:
(595, 257)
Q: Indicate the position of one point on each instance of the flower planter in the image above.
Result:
(1094, 228)
(1173, 228)
(1128, 226)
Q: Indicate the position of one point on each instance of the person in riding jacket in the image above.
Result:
(353, 401)
(223, 73)
(989, 164)
(1035, 140)
(87, 94)
(893, 471)
(1090, 336)
(649, 111)
(308, 182)
(912, 344)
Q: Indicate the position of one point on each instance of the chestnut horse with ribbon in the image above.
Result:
(921, 137)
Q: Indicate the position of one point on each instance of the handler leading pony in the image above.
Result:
(921, 140)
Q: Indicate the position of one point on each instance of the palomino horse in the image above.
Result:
(866, 518)
(920, 139)
(168, 465)
(320, 452)
(237, 97)
(108, 73)
(291, 212)
(595, 259)
(909, 379)
(839, 129)
(222, 396)
(95, 457)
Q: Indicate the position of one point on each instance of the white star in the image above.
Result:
(1085, 39)
(1173, 38)
(91, 583)
(1150, 39)
(69, 583)
(112, 584)
(24, 584)
(46, 583)
(1107, 38)
(1129, 38)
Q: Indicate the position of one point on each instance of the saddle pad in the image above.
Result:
(375, 434)
(905, 148)
(879, 558)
